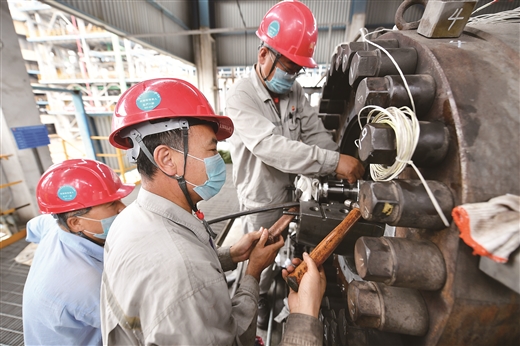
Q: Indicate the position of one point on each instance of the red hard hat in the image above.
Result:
(163, 98)
(290, 28)
(78, 183)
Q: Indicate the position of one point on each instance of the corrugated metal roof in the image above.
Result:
(235, 48)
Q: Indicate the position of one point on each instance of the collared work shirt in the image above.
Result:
(61, 294)
(268, 145)
(164, 283)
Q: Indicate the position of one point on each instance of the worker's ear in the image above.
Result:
(263, 55)
(166, 159)
(74, 224)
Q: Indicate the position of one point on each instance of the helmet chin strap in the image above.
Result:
(277, 56)
(184, 126)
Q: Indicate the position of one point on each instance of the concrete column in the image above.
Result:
(17, 108)
(206, 63)
(357, 14)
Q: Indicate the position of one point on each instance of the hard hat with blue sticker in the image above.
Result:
(148, 100)
(67, 193)
(273, 29)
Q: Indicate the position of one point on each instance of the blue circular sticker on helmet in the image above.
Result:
(67, 193)
(273, 29)
(148, 100)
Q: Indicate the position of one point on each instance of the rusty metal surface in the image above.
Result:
(390, 309)
(443, 19)
(405, 202)
(477, 98)
(389, 91)
(400, 262)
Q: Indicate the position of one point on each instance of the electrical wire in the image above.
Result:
(484, 6)
(511, 16)
(406, 126)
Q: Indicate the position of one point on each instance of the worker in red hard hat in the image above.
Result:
(164, 279)
(79, 200)
(277, 132)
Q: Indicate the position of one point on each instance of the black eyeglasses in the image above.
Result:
(277, 59)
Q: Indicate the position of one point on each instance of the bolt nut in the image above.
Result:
(363, 304)
(349, 52)
(373, 259)
(372, 91)
(377, 144)
(379, 201)
(364, 64)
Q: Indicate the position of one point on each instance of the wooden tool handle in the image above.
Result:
(280, 225)
(325, 248)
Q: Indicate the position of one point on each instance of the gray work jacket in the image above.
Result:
(163, 282)
(302, 330)
(267, 146)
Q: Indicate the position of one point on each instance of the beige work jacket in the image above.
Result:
(267, 146)
(163, 282)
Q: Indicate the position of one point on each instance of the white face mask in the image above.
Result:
(216, 172)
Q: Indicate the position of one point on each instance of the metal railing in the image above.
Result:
(122, 170)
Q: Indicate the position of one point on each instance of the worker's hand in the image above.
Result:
(311, 289)
(349, 168)
(263, 255)
(241, 250)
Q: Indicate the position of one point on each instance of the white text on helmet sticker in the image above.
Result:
(273, 29)
(67, 193)
(148, 100)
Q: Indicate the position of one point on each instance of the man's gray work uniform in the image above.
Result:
(269, 145)
(164, 284)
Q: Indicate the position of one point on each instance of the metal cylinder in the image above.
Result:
(337, 190)
(352, 47)
(377, 63)
(336, 63)
(433, 144)
(400, 262)
(332, 66)
(405, 203)
(391, 309)
(390, 91)
(377, 144)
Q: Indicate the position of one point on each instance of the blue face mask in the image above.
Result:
(216, 172)
(281, 82)
(105, 223)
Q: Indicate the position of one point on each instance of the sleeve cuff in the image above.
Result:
(302, 329)
(331, 162)
(224, 256)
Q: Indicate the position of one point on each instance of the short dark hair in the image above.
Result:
(62, 218)
(172, 138)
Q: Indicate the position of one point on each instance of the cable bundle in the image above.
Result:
(511, 16)
(406, 127)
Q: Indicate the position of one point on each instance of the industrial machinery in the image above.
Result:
(402, 277)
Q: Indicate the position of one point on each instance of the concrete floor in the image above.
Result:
(13, 274)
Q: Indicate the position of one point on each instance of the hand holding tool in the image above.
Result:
(280, 225)
(325, 248)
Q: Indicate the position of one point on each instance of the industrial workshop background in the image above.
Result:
(64, 64)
